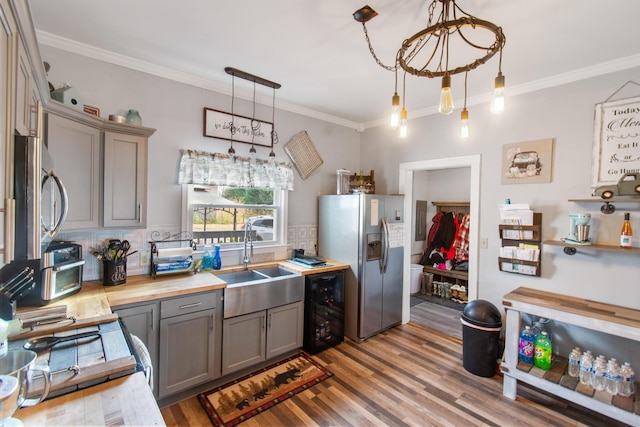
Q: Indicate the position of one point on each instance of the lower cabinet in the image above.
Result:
(256, 337)
(183, 336)
(142, 321)
(189, 341)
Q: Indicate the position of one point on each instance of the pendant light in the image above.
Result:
(446, 99)
(232, 127)
(464, 115)
(395, 106)
(403, 113)
(274, 134)
(255, 125)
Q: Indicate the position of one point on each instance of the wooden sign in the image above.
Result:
(616, 141)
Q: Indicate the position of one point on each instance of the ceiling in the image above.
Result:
(318, 53)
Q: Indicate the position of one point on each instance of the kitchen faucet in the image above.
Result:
(247, 239)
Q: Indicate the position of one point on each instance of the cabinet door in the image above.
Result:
(75, 149)
(142, 321)
(125, 180)
(284, 328)
(243, 341)
(187, 351)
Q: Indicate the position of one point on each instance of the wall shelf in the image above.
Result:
(527, 235)
(571, 249)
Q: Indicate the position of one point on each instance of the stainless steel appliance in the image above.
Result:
(365, 231)
(40, 199)
(61, 274)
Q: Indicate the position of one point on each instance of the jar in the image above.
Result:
(133, 118)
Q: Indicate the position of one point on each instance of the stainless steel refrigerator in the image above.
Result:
(366, 232)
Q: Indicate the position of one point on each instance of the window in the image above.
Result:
(220, 214)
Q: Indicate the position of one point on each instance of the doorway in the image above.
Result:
(405, 186)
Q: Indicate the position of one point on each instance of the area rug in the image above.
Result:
(239, 400)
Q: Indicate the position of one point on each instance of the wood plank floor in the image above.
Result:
(409, 375)
(437, 317)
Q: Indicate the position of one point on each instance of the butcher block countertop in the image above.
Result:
(523, 298)
(127, 400)
(123, 401)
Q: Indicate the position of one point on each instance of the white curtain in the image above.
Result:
(199, 167)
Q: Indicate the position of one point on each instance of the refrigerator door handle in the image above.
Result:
(385, 245)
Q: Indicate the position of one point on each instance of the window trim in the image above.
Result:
(280, 206)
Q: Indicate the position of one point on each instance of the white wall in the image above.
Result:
(564, 113)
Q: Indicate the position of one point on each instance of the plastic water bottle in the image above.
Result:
(574, 362)
(627, 380)
(586, 363)
(542, 352)
(538, 328)
(217, 261)
(527, 344)
(612, 376)
(598, 372)
(207, 258)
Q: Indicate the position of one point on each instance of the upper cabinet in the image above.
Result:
(104, 166)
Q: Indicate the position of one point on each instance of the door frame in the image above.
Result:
(405, 186)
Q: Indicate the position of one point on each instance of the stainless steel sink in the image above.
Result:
(241, 277)
(260, 289)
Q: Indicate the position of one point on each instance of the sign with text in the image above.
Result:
(616, 142)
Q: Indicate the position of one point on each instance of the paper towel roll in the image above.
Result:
(173, 252)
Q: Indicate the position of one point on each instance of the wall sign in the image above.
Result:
(616, 140)
(217, 124)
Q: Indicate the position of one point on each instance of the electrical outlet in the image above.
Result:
(144, 258)
(484, 243)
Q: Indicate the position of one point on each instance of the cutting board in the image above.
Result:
(83, 363)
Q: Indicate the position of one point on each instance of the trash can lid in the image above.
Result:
(482, 313)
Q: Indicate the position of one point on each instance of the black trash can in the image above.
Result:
(481, 326)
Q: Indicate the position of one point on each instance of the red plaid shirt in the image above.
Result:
(461, 241)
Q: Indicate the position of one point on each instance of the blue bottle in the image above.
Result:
(527, 345)
(217, 261)
(207, 258)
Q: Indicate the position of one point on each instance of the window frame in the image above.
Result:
(280, 208)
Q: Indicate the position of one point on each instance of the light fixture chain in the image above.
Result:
(366, 36)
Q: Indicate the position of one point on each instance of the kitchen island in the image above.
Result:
(127, 400)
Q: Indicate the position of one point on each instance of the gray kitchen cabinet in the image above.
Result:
(75, 148)
(143, 321)
(255, 337)
(125, 180)
(104, 166)
(190, 341)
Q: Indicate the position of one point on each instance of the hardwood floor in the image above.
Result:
(408, 375)
(437, 317)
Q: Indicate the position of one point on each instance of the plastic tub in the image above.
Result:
(416, 277)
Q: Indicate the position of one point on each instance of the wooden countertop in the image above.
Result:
(582, 307)
(123, 401)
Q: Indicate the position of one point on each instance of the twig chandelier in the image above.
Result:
(426, 54)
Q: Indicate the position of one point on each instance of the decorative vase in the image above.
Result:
(133, 118)
(217, 261)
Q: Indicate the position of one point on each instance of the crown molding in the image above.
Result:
(52, 40)
(104, 55)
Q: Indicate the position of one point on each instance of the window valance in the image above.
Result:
(200, 167)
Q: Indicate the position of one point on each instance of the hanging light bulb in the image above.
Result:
(395, 111)
(232, 126)
(497, 101)
(403, 123)
(464, 115)
(464, 124)
(446, 99)
(274, 134)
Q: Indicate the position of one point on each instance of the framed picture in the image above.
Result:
(527, 162)
(616, 140)
(92, 110)
(217, 124)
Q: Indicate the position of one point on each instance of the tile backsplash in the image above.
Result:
(298, 237)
